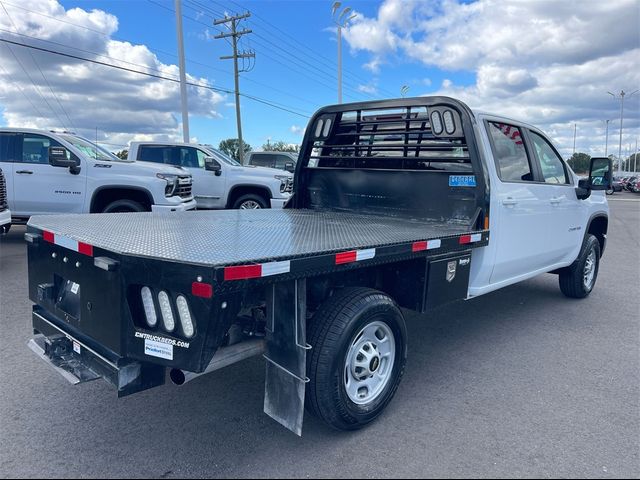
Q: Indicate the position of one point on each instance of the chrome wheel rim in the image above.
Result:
(249, 205)
(369, 363)
(589, 272)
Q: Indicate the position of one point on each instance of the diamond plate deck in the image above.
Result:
(228, 237)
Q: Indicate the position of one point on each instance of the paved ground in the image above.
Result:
(521, 382)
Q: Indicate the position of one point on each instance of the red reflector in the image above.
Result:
(85, 249)
(203, 290)
(242, 272)
(346, 257)
(48, 237)
(465, 239)
(419, 246)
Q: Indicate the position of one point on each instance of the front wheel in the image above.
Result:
(124, 206)
(578, 279)
(250, 201)
(359, 351)
(610, 191)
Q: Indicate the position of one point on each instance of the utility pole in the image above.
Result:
(183, 75)
(606, 141)
(621, 95)
(235, 36)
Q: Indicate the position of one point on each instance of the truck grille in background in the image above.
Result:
(3, 193)
(184, 188)
(387, 138)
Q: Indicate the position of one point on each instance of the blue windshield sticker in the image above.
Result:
(462, 180)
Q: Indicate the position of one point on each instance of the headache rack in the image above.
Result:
(415, 158)
(3, 193)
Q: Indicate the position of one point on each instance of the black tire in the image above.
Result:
(4, 229)
(251, 199)
(572, 278)
(124, 206)
(331, 334)
(610, 191)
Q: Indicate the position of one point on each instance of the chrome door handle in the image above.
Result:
(555, 200)
(509, 202)
(24, 172)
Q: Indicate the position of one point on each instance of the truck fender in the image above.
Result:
(99, 190)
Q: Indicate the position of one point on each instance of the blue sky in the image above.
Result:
(550, 63)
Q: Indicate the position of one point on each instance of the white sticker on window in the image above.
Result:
(75, 287)
(76, 348)
(157, 349)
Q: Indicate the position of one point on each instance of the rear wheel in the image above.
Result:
(610, 191)
(124, 206)
(578, 280)
(250, 201)
(4, 229)
(359, 351)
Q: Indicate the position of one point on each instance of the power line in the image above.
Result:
(161, 77)
(39, 69)
(37, 110)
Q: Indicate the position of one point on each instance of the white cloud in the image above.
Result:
(122, 105)
(297, 130)
(549, 63)
(369, 89)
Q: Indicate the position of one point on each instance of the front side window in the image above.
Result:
(550, 163)
(91, 150)
(509, 152)
(35, 148)
(281, 161)
(201, 156)
(189, 157)
(6, 147)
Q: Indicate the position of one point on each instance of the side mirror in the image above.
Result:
(600, 172)
(60, 157)
(212, 165)
(290, 167)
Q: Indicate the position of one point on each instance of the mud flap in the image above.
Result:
(286, 356)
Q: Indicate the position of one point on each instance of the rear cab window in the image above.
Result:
(507, 144)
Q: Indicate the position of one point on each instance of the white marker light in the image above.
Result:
(149, 309)
(185, 316)
(449, 123)
(436, 123)
(167, 313)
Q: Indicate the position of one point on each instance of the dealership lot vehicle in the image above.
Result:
(281, 160)
(218, 180)
(392, 207)
(48, 172)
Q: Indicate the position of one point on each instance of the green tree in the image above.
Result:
(123, 154)
(230, 146)
(631, 163)
(281, 146)
(579, 162)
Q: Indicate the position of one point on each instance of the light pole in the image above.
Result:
(341, 20)
(183, 76)
(606, 140)
(621, 95)
(575, 129)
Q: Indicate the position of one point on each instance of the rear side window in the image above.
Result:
(6, 147)
(263, 159)
(155, 153)
(511, 156)
(550, 163)
(35, 148)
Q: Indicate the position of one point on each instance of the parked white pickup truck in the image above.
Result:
(218, 180)
(413, 203)
(84, 178)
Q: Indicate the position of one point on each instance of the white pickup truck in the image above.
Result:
(84, 178)
(218, 180)
(409, 203)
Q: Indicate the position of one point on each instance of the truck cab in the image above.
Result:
(92, 180)
(218, 180)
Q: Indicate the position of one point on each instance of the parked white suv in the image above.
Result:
(218, 180)
(49, 172)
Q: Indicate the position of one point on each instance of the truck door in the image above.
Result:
(565, 213)
(43, 188)
(522, 207)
